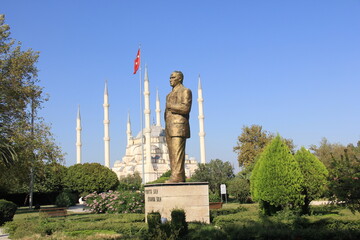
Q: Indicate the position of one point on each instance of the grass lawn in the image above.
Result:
(233, 221)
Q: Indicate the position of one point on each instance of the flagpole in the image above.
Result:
(141, 125)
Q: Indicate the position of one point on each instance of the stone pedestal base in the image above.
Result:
(192, 197)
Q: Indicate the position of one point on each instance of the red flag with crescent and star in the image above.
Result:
(137, 62)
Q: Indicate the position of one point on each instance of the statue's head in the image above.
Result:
(176, 77)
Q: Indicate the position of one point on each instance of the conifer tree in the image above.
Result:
(315, 176)
(276, 179)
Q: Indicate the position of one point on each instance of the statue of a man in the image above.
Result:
(177, 128)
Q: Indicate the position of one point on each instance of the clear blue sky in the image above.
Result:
(291, 66)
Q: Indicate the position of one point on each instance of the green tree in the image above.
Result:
(345, 177)
(90, 177)
(314, 175)
(326, 151)
(50, 178)
(276, 179)
(239, 187)
(251, 143)
(25, 140)
(215, 172)
(130, 182)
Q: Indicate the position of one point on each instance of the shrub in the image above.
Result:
(7, 211)
(214, 197)
(240, 188)
(276, 179)
(153, 221)
(179, 225)
(157, 230)
(176, 229)
(115, 202)
(65, 199)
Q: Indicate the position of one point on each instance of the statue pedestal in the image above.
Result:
(192, 197)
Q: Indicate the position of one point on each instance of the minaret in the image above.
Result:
(158, 111)
(106, 127)
(201, 124)
(78, 137)
(147, 130)
(128, 130)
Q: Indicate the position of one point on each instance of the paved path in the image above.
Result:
(77, 208)
(317, 203)
(3, 236)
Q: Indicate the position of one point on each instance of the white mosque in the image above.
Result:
(147, 152)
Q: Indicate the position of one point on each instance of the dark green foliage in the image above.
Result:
(153, 221)
(215, 172)
(130, 182)
(7, 211)
(314, 174)
(176, 229)
(51, 178)
(157, 230)
(345, 177)
(239, 187)
(276, 179)
(90, 177)
(179, 225)
(166, 174)
(66, 199)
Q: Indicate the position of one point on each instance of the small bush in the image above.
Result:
(179, 225)
(65, 199)
(153, 221)
(7, 211)
(157, 230)
(214, 197)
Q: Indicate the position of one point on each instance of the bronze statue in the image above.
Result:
(177, 128)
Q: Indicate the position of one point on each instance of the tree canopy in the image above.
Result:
(252, 142)
(215, 172)
(276, 179)
(314, 175)
(26, 141)
(90, 177)
(345, 177)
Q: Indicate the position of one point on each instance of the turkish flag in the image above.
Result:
(137, 62)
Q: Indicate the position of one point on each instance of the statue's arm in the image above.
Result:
(183, 106)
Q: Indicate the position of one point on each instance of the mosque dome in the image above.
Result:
(156, 131)
(117, 163)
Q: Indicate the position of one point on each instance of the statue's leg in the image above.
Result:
(178, 161)
(170, 151)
